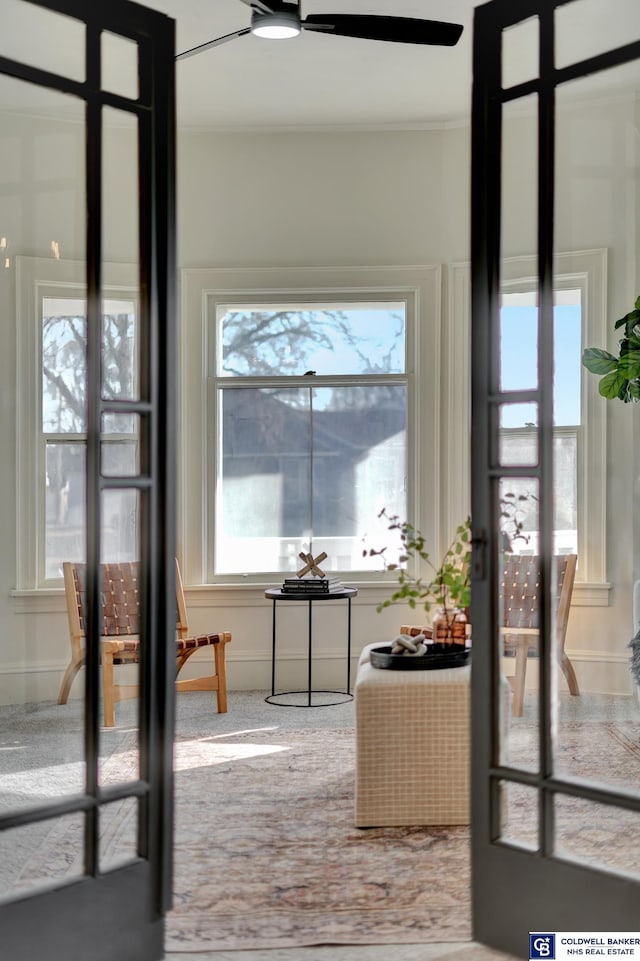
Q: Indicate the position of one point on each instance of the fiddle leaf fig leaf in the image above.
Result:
(611, 385)
(622, 373)
(629, 364)
(599, 361)
(629, 321)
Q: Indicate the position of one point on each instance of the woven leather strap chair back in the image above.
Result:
(119, 596)
(519, 596)
(120, 643)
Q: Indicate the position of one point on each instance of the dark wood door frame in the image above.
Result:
(119, 915)
(515, 891)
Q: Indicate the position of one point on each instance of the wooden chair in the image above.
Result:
(120, 643)
(519, 590)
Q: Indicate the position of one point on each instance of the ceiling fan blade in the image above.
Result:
(212, 43)
(395, 29)
(260, 6)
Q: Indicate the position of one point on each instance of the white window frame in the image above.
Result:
(585, 270)
(37, 278)
(203, 289)
(221, 381)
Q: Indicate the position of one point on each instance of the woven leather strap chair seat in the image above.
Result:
(519, 595)
(119, 642)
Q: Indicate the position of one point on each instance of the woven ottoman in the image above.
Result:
(412, 746)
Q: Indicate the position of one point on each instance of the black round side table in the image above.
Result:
(275, 594)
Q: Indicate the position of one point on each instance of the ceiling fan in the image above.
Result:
(280, 19)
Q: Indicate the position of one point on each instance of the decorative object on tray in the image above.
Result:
(398, 655)
(409, 646)
(450, 626)
(412, 630)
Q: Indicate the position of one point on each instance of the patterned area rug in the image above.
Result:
(597, 834)
(267, 855)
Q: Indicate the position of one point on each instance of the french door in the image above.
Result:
(556, 797)
(87, 140)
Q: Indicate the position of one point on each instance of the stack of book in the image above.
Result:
(311, 585)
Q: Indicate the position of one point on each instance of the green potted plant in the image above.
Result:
(621, 374)
(447, 587)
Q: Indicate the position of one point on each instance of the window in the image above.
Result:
(312, 405)
(580, 317)
(518, 445)
(309, 417)
(63, 415)
(51, 315)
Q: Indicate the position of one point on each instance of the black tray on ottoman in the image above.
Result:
(433, 660)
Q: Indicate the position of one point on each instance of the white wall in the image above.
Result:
(311, 199)
(388, 198)
(41, 191)
(332, 199)
(418, 212)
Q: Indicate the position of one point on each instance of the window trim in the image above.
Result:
(204, 288)
(586, 270)
(38, 277)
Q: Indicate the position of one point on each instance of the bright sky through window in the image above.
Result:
(518, 353)
(308, 462)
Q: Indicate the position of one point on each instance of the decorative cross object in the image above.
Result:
(311, 564)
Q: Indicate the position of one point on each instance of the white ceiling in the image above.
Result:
(314, 79)
(317, 81)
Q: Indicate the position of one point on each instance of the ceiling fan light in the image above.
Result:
(275, 26)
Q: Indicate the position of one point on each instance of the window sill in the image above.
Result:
(591, 595)
(252, 595)
(371, 593)
(45, 600)
(51, 599)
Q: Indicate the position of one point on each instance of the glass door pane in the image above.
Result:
(42, 218)
(555, 176)
(594, 694)
(87, 296)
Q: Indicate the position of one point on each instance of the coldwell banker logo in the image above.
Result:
(542, 946)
